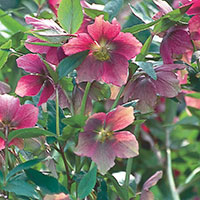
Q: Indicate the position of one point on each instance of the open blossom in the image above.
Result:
(146, 89)
(30, 85)
(15, 116)
(102, 139)
(109, 52)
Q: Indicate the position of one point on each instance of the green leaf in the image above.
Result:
(70, 15)
(102, 195)
(2, 135)
(23, 166)
(194, 95)
(163, 25)
(194, 111)
(148, 68)
(45, 44)
(48, 184)
(4, 52)
(77, 121)
(11, 24)
(66, 84)
(70, 63)
(113, 8)
(21, 188)
(1, 177)
(95, 13)
(29, 133)
(87, 183)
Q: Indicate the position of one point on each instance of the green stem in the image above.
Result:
(6, 153)
(57, 113)
(118, 97)
(170, 177)
(128, 172)
(84, 100)
(70, 102)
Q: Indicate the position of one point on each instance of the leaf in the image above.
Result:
(66, 84)
(45, 44)
(113, 8)
(29, 133)
(4, 52)
(194, 111)
(102, 195)
(48, 184)
(87, 183)
(21, 188)
(148, 68)
(70, 15)
(77, 121)
(1, 177)
(11, 24)
(70, 63)
(23, 166)
(2, 135)
(95, 13)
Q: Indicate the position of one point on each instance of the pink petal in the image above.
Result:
(194, 27)
(90, 70)
(119, 118)
(125, 145)
(47, 91)
(169, 67)
(9, 105)
(86, 21)
(29, 85)
(78, 44)
(116, 70)
(52, 56)
(31, 63)
(2, 144)
(127, 45)
(4, 88)
(101, 153)
(95, 122)
(103, 29)
(17, 142)
(195, 8)
(25, 117)
(36, 48)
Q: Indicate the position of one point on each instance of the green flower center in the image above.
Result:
(101, 50)
(104, 135)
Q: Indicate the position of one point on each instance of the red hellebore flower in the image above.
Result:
(146, 89)
(109, 52)
(15, 116)
(102, 141)
(30, 85)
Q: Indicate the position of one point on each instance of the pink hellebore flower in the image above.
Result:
(30, 85)
(146, 89)
(176, 42)
(109, 52)
(102, 141)
(15, 116)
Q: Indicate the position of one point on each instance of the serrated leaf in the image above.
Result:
(148, 68)
(87, 183)
(4, 52)
(29, 133)
(70, 63)
(95, 13)
(48, 184)
(70, 15)
(23, 166)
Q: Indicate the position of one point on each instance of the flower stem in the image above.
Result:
(57, 113)
(118, 97)
(128, 172)
(170, 177)
(84, 100)
(6, 152)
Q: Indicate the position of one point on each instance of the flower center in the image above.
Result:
(101, 50)
(104, 135)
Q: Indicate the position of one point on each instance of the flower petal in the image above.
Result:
(9, 105)
(127, 45)
(31, 63)
(2, 144)
(4, 88)
(95, 122)
(17, 142)
(29, 85)
(116, 70)
(104, 29)
(47, 91)
(90, 70)
(125, 145)
(52, 56)
(25, 117)
(78, 44)
(119, 118)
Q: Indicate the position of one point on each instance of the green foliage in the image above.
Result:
(4, 52)
(94, 13)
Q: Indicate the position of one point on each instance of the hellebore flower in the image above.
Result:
(109, 52)
(30, 85)
(102, 141)
(176, 42)
(15, 116)
(146, 89)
